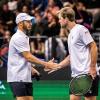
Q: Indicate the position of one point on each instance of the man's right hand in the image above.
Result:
(51, 65)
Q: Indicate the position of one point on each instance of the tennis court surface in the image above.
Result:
(43, 90)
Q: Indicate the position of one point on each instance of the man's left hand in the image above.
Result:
(93, 72)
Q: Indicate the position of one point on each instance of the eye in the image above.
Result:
(27, 21)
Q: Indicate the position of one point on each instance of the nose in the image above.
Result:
(30, 23)
(59, 20)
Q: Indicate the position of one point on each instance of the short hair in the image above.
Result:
(67, 12)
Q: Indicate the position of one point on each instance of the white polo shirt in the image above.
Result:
(80, 57)
(19, 69)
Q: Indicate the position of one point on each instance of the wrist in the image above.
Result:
(60, 65)
(44, 64)
(92, 65)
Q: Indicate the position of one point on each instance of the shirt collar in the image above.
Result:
(21, 33)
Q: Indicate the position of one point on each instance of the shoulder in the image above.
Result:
(18, 39)
(79, 27)
(82, 28)
(18, 36)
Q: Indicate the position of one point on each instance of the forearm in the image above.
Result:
(34, 59)
(94, 54)
(31, 58)
(65, 62)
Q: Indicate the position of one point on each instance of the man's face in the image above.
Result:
(63, 22)
(50, 17)
(27, 25)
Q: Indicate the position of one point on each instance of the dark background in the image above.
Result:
(62, 74)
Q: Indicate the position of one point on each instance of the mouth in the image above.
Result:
(30, 28)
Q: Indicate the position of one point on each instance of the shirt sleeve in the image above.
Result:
(21, 44)
(86, 36)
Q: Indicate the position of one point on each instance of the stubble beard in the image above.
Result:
(26, 30)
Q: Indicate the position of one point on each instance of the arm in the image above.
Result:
(62, 64)
(65, 62)
(29, 57)
(22, 46)
(94, 54)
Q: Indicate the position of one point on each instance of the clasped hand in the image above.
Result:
(51, 66)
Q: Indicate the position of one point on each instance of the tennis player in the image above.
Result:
(20, 59)
(82, 51)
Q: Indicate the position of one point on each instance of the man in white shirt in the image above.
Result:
(20, 59)
(82, 51)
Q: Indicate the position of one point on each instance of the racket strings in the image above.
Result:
(80, 85)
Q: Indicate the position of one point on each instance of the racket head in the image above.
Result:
(81, 84)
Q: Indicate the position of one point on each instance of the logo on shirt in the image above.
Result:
(86, 32)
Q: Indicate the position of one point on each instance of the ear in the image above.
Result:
(21, 24)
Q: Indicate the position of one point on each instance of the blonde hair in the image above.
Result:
(67, 12)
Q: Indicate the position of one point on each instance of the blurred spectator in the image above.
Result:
(54, 48)
(94, 8)
(53, 27)
(54, 6)
(6, 37)
(39, 4)
(82, 16)
(25, 9)
(40, 23)
(1, 33)
(20, 4)
(1, 63)
(96, 17)
(91, 3)
(12, 5)
(7, 17)
(37, 46)
(57, 3)
(5, 47)
(45, 22)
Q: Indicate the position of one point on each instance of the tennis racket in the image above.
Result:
(81, 84)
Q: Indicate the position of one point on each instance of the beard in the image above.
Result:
(27, 30)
